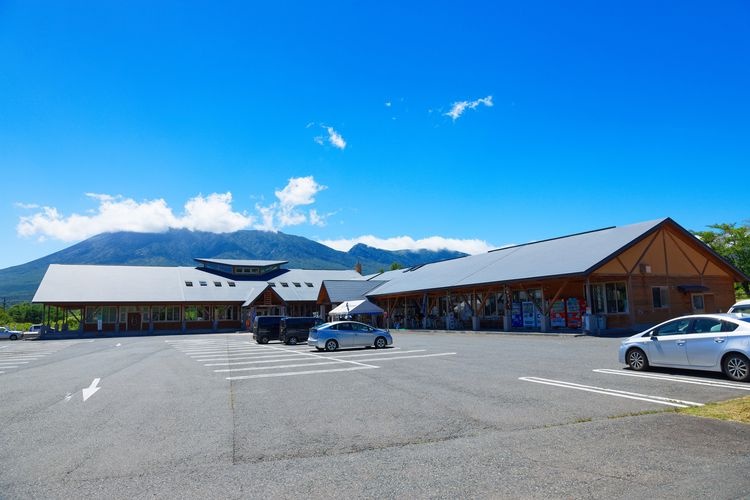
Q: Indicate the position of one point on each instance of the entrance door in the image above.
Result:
(134, 321)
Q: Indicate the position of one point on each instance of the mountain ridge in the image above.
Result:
(179, 247)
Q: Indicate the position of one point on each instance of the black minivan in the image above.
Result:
(266, 328)
(295, 330)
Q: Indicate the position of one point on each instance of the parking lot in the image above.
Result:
(436, 415)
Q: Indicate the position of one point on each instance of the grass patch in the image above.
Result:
(737, 410)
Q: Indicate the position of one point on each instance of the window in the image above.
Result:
(226, 312)
(188, 283)
(273, 285)
(231, 283)
(726, 326)
(285, 285)
(308, 284)
(107, 314)
(197, 313)
(705, 325)
(609, 298)
(165, 313)
(203, 283)
(296, 284)
(698, 303)
(660, 295)
(217, 283)
(677, 327)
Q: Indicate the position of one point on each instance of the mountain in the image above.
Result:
(179, 247)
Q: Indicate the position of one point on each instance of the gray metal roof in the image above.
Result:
(139, 284)
(293, 277)
(570, 255)
(75, 284)
(245, 263)
(342, 290)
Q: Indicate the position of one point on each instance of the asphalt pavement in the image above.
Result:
(439, 415)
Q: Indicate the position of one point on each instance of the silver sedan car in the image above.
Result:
(7, 333)
(711, 342)
(343, 334)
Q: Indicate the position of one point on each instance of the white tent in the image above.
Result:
(352, 307)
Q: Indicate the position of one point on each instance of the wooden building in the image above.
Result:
(614, 278)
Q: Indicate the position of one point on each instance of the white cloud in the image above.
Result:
(335, 138)
(212, 213)
(459, 107)
(388, 104)
(470, 246)
(299, 191)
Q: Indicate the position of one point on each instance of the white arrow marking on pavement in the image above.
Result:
(91, 390)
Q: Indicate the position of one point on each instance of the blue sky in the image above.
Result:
(463, 124)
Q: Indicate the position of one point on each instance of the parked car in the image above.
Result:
(712, 342)
(266, 328)
(7, 333)
(293, 330)
(743, 306)
(342, 334)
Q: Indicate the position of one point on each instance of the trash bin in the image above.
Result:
(475, 323)
(587, 326)
(601, 322)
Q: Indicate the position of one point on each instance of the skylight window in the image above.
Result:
(203, 283)
(273, 285)
(188, 283)
(308, 284)
(296, 284)
(231, 283)
(285, 285)
(217, 283)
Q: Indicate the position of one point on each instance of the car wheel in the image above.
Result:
(291, 341)
(263, 340)
(331, 345)
(14, 337)
(637, 360)
(380, 342)
(737, 367)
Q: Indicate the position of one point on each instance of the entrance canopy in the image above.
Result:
(351, 307)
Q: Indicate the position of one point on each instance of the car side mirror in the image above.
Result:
(654, 337)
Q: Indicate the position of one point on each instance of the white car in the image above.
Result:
(743, 306)
(7, 333)
(711, 342)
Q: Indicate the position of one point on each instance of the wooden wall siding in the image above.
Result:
(665, 254)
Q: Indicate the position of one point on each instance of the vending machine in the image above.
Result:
(574, 312)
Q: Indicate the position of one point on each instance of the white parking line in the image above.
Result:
(674, 378)
(306, 372)
(298, 365)
(271, 359)
(612, 392)
(258, 355)
(406, 357)
(371, 353)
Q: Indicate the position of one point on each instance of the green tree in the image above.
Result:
(396, 266)
(731, 241)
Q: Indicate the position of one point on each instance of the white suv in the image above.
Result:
(743, 306)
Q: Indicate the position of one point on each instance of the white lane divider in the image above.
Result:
(612, 392)
(306, 372)
(675, 378)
